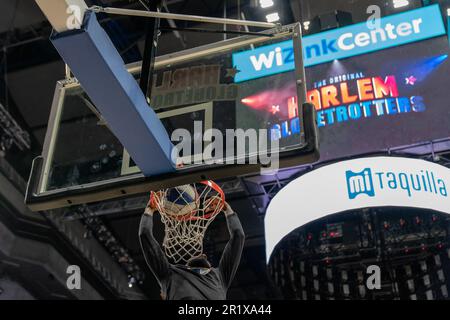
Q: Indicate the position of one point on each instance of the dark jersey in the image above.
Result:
(177, 281)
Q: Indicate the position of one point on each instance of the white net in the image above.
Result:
(186, 212)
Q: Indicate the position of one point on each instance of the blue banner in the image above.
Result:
(357, 39)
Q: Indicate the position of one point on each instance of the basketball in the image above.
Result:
(180, 201)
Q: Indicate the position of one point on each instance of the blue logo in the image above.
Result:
(360, 183)
(395, 30)
(410, 183)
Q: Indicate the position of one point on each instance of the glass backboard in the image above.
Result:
(220, 96)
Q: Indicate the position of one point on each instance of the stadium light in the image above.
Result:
(265, 3)
(400, 3)
(273, 17)
(306, 25)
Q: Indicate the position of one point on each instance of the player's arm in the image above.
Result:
(231, 255)
(154, 256)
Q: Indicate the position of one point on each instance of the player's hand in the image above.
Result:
(151, 206)
(227, 209)
(211, 204)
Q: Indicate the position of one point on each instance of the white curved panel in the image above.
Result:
(353, 184)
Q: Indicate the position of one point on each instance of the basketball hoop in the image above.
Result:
(186, 212)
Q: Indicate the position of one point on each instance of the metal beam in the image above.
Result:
(184, 17)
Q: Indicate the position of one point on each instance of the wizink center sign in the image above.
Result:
(357, 39)
(354, 184)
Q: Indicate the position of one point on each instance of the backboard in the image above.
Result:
(212, 100)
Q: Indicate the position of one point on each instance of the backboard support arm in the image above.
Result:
(242, 33)
(184, 17)
(150, 48)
